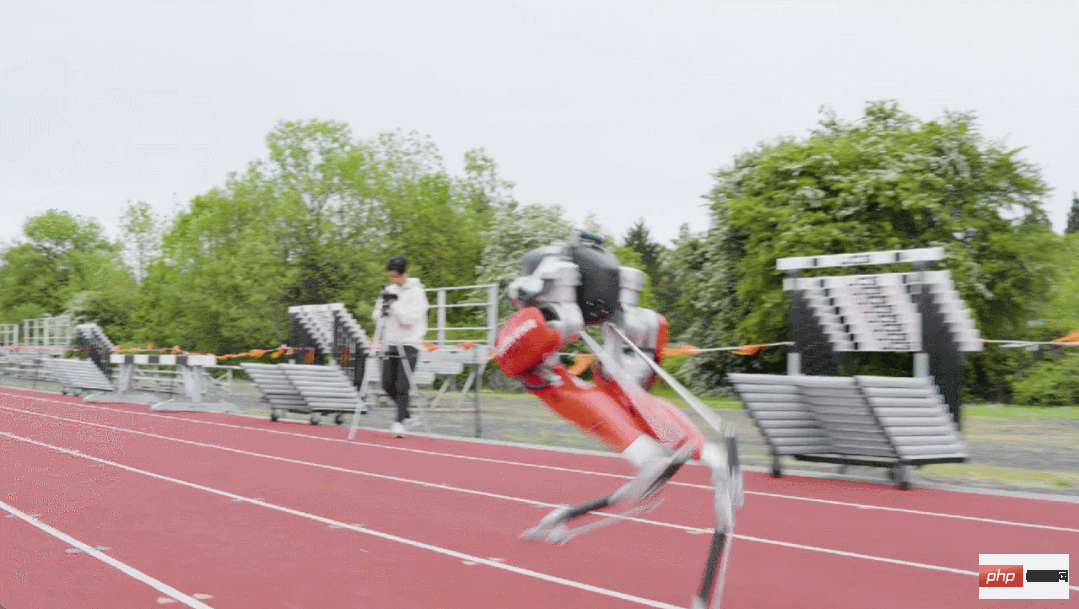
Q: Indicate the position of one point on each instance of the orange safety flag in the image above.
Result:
(1071, 337)
(257, 352)
(682, 349)
(176, 348)
(430, 346)
(581, 362)
(278, 353)
(748, 349)
(467, 344)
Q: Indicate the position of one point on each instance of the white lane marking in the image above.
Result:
(105, 558)
(799, 546)
(335, 524)
(335, 468)
(390, 537)
(469, 559)
(862, 506)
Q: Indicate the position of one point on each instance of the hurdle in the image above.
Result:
(193, 377)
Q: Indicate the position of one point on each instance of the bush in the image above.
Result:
(1052, 382)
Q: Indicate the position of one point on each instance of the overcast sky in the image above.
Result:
(621, 108)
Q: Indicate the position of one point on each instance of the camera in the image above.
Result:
(387, 299)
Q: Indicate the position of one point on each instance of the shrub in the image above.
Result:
(1051, 382)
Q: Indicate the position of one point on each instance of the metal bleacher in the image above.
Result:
(76, 375)
(324, 389)
(305, 389)
(894, 422)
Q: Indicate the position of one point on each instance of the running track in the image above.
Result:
(112, 505)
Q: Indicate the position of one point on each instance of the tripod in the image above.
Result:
(375, 353)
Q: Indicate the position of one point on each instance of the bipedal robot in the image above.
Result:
(565, 287)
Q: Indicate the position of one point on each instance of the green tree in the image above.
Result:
(513, 232)
(639, 239)
(1049, 376)
(1073, 216)
(140, 236)
(313, 222)
(888, 181)
(66, 265)
(679, 267)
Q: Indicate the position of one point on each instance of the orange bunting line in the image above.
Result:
(430, 346)
(1071, 337)
(748, 349)
(581, 363)
(257, 352)
(680, 350)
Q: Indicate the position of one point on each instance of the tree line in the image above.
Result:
(315, 220)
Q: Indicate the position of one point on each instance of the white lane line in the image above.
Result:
(799, 546)
(469, 559)
(344, 470)
(862, 506)
(358, 529)
(688, 529)
(105, 558)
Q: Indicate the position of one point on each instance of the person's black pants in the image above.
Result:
(395, 379)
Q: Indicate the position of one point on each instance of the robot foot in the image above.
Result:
(727, 480)
(553, 527)
(651, 477)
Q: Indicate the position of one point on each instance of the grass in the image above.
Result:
(996, 411)
(1026, 477)
(1002, 411)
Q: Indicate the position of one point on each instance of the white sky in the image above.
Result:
(620, 108)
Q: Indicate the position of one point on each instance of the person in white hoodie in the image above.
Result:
(402, 307)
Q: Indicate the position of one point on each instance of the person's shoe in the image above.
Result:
(398, 430)
(652, 475)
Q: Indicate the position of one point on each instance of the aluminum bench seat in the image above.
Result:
(861, 420)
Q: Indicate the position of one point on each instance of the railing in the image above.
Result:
(490, 304)
(9, 335)
(47, 331)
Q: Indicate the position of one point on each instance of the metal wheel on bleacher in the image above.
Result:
(339, 418)
(275, 414)
(315, 418)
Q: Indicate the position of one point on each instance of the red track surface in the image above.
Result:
(239, 512)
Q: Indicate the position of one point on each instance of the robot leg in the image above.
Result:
(597, 414)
